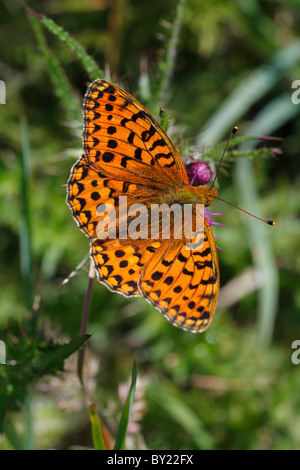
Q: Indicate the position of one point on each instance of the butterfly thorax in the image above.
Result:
(188, 194)
(205, 195)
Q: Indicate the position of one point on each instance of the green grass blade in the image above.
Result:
(122, 431)
(59, 80)
(214, 153)
(87, 61)
(25, 228)
(271, 117)
(96, 429)
(251, 89)
(29, 440)
(275, 114)
(13, 436)
(166, 65)
(263, 257)
(164, 121)
(267, 121)
(182, 414)
(26, 263)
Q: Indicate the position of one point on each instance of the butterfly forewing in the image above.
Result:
(122, 139)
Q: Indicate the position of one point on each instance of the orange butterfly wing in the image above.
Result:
(124, 141)
(88, 187)
(183, 283)
(119, 265)
(127, 153)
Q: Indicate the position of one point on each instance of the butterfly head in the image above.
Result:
(206, 195)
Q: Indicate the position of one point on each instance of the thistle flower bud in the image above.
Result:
(198, 173)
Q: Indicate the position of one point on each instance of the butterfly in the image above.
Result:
(127, 154)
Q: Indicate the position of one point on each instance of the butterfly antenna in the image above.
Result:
(234, 131)
(269, 222)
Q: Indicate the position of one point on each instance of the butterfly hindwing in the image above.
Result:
(119, 263)
(183, 283)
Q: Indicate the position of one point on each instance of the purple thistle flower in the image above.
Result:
(208, 216)
(199, 173)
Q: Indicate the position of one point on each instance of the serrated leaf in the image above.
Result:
(27, 361)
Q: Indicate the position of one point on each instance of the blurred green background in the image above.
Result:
(234, 386)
